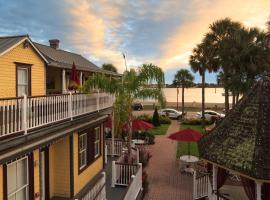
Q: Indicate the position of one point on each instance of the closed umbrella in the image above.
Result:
(74, 81)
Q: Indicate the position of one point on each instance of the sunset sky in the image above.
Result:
(159, 31)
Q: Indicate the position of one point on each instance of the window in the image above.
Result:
(97, 141)
(17, 180)
(82, 150)
(23, 85)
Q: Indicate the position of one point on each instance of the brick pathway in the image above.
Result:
(165, 179)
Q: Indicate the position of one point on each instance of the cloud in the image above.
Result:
(177, 48)
(157, 31)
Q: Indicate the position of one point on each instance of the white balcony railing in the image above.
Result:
(135, 185)
(25, 113)
(122, 172)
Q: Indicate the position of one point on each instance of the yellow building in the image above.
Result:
(51, 141)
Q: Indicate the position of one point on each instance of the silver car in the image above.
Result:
(210, 115)
(171, 113)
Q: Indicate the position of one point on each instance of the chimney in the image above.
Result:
(54, 43)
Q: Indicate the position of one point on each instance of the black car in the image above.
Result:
(137, 106)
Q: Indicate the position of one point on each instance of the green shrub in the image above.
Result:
(164, 120)
(195, 122)
(145, 117)
(155, 119)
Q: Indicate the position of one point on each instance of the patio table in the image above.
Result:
(189, 158)
(138, 141)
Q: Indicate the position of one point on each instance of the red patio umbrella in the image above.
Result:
(74, 81)
(138, 124)
(186, 135)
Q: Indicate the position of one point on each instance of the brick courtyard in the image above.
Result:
(165, 180)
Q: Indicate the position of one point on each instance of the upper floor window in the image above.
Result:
(23, 80)
(97, 141)
(17, 180)
(82, 150)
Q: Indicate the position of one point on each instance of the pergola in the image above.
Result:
(241, 143)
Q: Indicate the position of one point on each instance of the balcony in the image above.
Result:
(23, 114)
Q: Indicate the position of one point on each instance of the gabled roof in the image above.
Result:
(7, 43)
(241, 141)
(64, 59)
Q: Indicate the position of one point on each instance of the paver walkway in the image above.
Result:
(165, 180)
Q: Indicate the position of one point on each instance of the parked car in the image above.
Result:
(137, 106)
(171, 113)
(210, 115)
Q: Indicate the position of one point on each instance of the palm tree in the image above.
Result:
(203, 59)
(109, 67)
(134, 84)
(221, 34)
(183, 78)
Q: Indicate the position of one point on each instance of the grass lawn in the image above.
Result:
(182, 147)
(160, 130)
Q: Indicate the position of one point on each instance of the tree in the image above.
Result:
(109, 67)
(183, 78)
(221, 34)
(203, 59)
(155, 119)
(133, 84)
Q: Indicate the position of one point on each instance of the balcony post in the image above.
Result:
(64, 88)
(215, 169)
(258, 190)
(194, 185)
(81, 80)
(24, 114)
(98, 100)
(113, 173)
(70, 106)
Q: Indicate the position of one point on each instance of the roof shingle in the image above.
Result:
(241, 141)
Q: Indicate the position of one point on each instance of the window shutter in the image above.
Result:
(90, 145)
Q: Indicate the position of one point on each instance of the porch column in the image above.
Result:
(64, 88)
(258, 190)
(112, 132)
(81, 78)
(215, 168)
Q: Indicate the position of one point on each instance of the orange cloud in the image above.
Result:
(177, 48)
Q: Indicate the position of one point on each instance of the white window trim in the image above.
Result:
(27, 178)
(97, 141)
(83, 150)
(27, 78)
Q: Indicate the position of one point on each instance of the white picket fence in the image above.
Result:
(97, 192)
(135, 185)
(25, 113)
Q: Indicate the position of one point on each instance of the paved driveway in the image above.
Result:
(165, 179)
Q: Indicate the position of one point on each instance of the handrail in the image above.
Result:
(10, 98)
(21, 114)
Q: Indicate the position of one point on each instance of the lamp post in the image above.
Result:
(124, 56)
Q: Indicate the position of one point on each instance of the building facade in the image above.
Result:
(51, 141)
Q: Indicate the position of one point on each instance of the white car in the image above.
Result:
(171, 113)
(210, 115)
